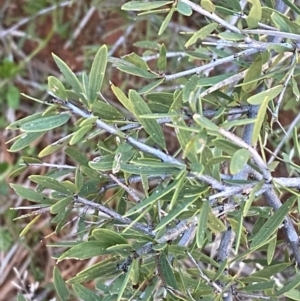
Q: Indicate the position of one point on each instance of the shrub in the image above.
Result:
(175, 189)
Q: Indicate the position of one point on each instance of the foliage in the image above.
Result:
(205, 144)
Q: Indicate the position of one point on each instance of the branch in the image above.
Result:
(285, 35)
(115, 215)
(211, 16)
(115, 131)
(212, 64)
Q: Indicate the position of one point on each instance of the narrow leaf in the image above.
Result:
(56, 87)
(201, 34)
(97, 74)
(255, 14)
(166, 21)
(46, 123)
(140, 107)
(51, 183)
(202, 223)
(108, 237)
(24, 140)
(85, 250)
(239, 160)
(166, 271)
(267, 95)
(85, 293)
(68, 74)
(142, 5)
(289, 285)
(60, 285)
(261, 115)
(253, 73)
(272, 224)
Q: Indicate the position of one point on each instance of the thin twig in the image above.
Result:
(215, 63)
(115, 215)
(285, 35)
(211, 16)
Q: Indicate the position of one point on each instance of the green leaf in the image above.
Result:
(205, 123)
(31, 195)
(271, 226)
(184, 9)
(172, 214)
(281, 22)
(124, 100)
(293, 294)
(189, 88)
(137, 71)
(60, 285)
(152, 168)
(108, 237)
(85, 293)
(231, 36)
(106, 111)
(255, 14)
(136, 60)
(166, 272)
(202, 223)
(51, 183)
(77, 156)
(294, 7)
(17, 124)
(142, 5)
(61, 205)
(214, 223)
(98, 270)
(85, 250)
(50, 149)
(184, 137)
(24, 140)
(155, 196)
(166, 21)
(13, 97)
(271, 249)
(151, 86)
(57, 88)
(46, 123)
(261, 115)
(126, 278)
(140, 107)
(252, 74)
(80, 133)
(103, 163)
(270, 271)
(68, 74)
(239, 160)
(225, 145)
(266, 95)
(97, 74)
(162, 59)
(289, 285)
(201, 34)
(208, 5)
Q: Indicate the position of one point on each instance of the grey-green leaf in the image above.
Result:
(272, 224)
(239, 160)
(60, 285)
(142, 5)
(68, 74)
(97, 74)
(151, 126)
(46, 123)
